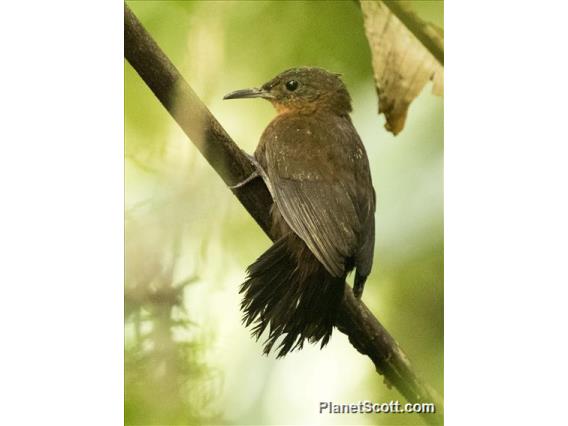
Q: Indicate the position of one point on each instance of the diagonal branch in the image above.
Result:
(429, 35)
(365, 332)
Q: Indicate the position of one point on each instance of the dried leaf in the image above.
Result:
(402, 63)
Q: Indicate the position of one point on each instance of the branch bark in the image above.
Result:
(355, 320)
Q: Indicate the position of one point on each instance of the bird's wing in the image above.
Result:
(315, 189)
(322, 216)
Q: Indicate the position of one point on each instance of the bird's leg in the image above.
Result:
(359, 285)
(252, 176)
(258, 172)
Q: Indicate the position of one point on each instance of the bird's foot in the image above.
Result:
(252, 176)
(256, 173)
(358, 286)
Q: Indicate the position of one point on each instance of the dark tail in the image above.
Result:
(290, 293)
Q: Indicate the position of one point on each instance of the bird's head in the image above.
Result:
(305, 89)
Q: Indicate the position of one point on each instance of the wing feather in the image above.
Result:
(323, 215)
(317, 172)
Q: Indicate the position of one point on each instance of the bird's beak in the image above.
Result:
(249, 93)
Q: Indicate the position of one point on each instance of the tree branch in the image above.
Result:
(365, 332)
(429, 35)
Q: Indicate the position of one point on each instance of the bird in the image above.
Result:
(323, 210)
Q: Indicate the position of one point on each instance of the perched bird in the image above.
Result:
(316, 168)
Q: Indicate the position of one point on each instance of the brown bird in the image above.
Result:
(316, 168)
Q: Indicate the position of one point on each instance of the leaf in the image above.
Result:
(406, 53)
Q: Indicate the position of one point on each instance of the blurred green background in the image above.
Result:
(188, 358)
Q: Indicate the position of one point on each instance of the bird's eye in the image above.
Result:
(292, 85)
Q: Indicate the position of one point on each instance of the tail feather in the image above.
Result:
(291, 296)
